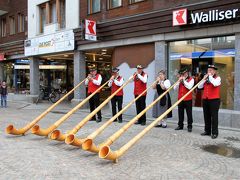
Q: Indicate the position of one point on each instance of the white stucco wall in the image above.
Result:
(126, 72)
(72, 16)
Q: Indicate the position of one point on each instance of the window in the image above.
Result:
(93, 6)
(62, 14)
(12, 25)
(21, 21)
(134, 1)
(42, 16)
(3, 27)
(114, 3)
(52, 12)
(196, 55)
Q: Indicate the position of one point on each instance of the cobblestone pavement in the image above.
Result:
(161, 154)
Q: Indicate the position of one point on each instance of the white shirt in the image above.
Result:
(166, 83)
(216, 82)
(143, 78)
(117, 82)
(95, 81)
(188, 85)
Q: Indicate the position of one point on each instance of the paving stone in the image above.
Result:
(160, 154)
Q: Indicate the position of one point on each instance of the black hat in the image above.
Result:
(115, 70)
(92, 69)
(182, 71)
(139, 66)
(212, 66)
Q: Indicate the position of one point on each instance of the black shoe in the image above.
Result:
(137, 122)
(98, 120)
(178, 128)
(143, 123)
(189, 130)
(164, 126)
(214, 136)
(205, 134)
(159, 125)
(120, 121)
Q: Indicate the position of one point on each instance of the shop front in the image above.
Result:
(191, 36)
(52, 59)
(196, 55)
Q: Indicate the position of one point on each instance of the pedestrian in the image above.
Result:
(211, 101)
(93, 82)
(140, 85)
(4, 94)
(185, 84)
(116, 81)
(161, 106)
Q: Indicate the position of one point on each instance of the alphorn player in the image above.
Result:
(140, 85)
(93, 82)
(161, 86)
(186, 83)
(211, 101)
(116, 81)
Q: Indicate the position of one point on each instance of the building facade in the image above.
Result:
(13, 32)
(166, 35)
(50, 43)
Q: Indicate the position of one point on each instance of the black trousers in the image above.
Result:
(117, 101)
(141, 105)
(94, 102)
(188, 106)
(210, 112)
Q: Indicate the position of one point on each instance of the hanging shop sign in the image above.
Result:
(180, 17)
(58, 42)
(90, 30)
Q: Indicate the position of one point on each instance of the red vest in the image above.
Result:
(183, 90)
(115, 88)
(210, 91)
(93, 87)
(139, 86)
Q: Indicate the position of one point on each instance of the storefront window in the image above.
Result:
(196, 55)
(52, 74)
(8, 75)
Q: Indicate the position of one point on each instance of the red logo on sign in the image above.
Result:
(180, 17)
(90, 27)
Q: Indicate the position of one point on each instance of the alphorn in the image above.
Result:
(72, 139)
(44, 132)
(90, 146)
(57, 135)
(12, 130)
(105, 151)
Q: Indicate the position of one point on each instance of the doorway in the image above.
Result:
(101, 59)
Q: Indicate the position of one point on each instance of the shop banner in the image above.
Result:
(58, 42)
(180, 16)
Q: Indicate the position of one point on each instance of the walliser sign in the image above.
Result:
(180, 17)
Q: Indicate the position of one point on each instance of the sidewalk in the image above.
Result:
(160, 154)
